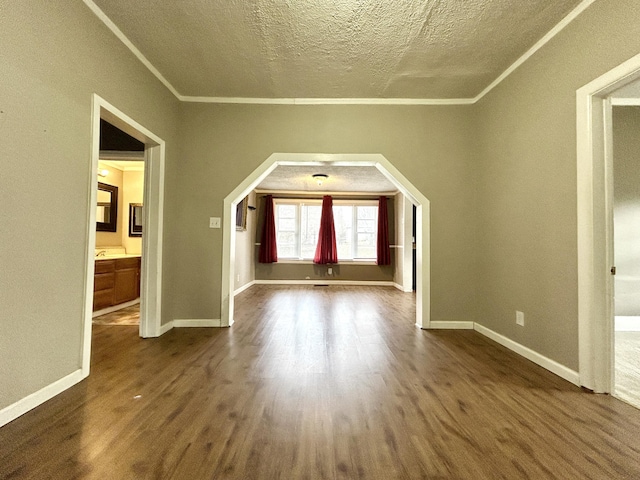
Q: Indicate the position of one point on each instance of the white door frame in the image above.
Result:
(595, 225)
(423, 255)
(151, 268)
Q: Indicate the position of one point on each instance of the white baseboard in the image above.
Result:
(402, 289)
(450, 325)
(244, 287)
(551, 365)
(30, 402)
(196, 322)
(115, 308)
(165, 328)
(627, 324)
(323, 281)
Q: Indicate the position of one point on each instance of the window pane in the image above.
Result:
(287, 225)
(343, 220)
(309, 228)
(286, 211)
(367, 231)
(286, 230)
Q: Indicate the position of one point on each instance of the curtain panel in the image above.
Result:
(326, 250)
(268, 246)
(384, 251)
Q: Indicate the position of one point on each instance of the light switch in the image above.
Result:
(214, 222)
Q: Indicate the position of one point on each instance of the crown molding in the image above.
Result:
(537, 46)
(339, 101)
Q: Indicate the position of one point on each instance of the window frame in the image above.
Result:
(299, 202)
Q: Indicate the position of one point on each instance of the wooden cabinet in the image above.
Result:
(116, 281)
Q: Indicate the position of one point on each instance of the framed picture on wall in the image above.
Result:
(241, 215)
(135, 219)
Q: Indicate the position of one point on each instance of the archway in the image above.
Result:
(376, 160)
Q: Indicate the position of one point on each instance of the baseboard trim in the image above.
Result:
(551, 365)
(30, 402)
(244, 287)
(450, 325)
(196, 322)
(165, 328)
(322, 281)
(115, 308)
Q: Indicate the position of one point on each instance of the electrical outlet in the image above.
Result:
(330, 271)
(520, 318)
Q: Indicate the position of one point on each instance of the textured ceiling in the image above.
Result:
(333, 48)
(341, 179)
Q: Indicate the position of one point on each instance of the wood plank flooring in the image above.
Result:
(319, 383)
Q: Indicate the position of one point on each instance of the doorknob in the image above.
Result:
(613, 270)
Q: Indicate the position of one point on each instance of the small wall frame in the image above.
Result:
(241, 215)
(135, 219)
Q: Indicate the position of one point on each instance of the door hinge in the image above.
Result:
(613, 270)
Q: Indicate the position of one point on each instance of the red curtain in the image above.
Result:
(268, 246)
(384, 252)
(326, 251)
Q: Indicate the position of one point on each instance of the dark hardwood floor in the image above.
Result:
(324, 382)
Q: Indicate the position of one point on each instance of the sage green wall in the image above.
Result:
(626, 178)
(222, 144)
(54, 56)
(526, 155)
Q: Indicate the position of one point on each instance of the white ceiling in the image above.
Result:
(341, 179)
(414, 49)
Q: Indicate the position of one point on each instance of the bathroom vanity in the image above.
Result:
(116, 281)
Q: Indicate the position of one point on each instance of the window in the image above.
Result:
(298, 223)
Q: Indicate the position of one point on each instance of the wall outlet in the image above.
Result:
(214, 222)
(520, 318)
(330, 271)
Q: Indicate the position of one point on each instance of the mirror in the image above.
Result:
(107, 211)
(135, 219)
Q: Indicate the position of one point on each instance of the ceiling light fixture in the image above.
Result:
(103, 173)
(319, 178)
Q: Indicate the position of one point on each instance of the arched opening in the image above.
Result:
(376, 160)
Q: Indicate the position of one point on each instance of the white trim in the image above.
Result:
(123, 38)
(551, 365)
(625, 102)
(330, 101)
(594, 230)
(319, 193)
(423, 252)
(115, 308)
(627, 324)
(339, 101)
(403, 289)
(451, 325)
(322, 281)
(246, 286)
(164, 328)
(196, 322)
(131, 165)
(537, 46)
(347, 262)
(22, 406)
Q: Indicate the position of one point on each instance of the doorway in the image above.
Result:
(595, 221)
(626, 244)
(378, 161)
(153, 201)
